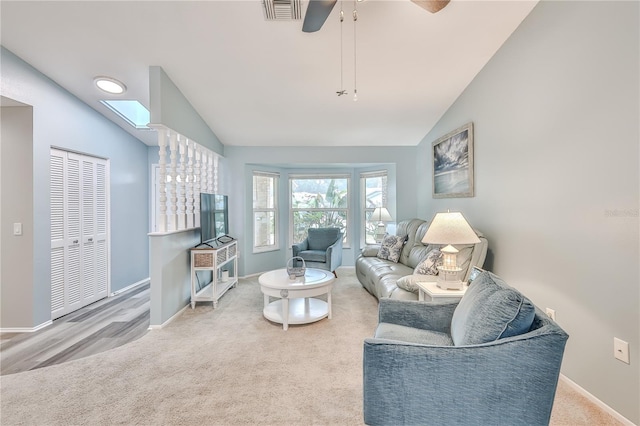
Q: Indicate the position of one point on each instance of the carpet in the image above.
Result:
(228, 366)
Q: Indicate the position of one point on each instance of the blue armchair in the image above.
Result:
(492, 359)
(321, 249)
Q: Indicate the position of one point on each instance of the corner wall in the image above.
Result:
(556, 115)
(16, 206)
(170, 272)
(62, 120)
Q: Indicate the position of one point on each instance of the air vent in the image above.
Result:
(282, 10)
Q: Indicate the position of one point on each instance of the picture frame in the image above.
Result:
(475, 271)
(452, 164)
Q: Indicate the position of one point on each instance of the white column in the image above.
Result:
(204, 185)
(173, 201)
(181, 182)
(190, 183)
(210, 171)
(162, 196)
(216, 168)
(197, 178)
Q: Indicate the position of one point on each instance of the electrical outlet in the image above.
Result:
(621, 350)
(551, 313)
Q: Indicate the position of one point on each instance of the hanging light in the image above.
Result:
(355, 73)
(341, 91)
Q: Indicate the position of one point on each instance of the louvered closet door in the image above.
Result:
(94, 229)
(102, 227)
(58, 243)
(79, 230)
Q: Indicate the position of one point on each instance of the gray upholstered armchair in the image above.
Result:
(321, 249)
(492, 359)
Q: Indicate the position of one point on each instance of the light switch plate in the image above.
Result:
(17, 229)
(621, 350)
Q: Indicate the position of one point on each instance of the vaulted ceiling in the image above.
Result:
(266, 83)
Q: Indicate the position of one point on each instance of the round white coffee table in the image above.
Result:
(296, 303)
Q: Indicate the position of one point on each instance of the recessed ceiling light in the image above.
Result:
(110, 85)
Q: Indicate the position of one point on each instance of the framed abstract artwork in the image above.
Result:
(453, 164)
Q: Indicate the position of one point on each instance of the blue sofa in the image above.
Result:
(492, 358)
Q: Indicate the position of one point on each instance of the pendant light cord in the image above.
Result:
(355, 73)
(341, 91)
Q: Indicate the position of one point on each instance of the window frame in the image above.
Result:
(347, 210)
(275, 210)
(363, 200)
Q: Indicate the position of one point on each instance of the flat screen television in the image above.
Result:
(214, 217)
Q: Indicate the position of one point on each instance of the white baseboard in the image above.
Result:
(251, 275)
(167, 322)
(122, 290)
(26, 329)
(573, 385)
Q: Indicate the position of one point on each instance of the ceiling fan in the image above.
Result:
(318, 11)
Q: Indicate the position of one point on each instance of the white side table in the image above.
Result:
(296, 302)
(430, 292)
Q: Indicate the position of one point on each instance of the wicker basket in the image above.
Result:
(203, 260)
(296, 271)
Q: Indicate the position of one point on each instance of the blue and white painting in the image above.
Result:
(453, 164)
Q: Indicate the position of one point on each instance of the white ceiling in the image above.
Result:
(266, 83)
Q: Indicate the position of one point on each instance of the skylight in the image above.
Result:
(133, 112)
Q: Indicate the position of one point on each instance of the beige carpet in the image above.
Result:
(227, 366)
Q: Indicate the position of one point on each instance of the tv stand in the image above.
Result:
(223, 257)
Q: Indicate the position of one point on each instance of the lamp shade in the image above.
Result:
(381, 214)
(450, 228)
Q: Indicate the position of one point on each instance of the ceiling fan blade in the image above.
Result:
(431, 5)
(317, 13)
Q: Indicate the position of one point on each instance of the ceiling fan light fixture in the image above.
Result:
(110, 85)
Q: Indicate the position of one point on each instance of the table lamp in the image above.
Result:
(380, 215)
(450, 228)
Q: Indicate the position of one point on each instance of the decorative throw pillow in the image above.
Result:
(408, 282)
(391, 247)
(428, 265)
(490, 310)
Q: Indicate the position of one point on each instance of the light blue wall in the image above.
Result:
(172, 109)
(170, 272)
(556, 114)
(241, 161)
(61, 120)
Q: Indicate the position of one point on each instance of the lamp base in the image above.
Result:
(448, 278)
(381, 230)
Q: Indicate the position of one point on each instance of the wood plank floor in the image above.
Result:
(103, 325)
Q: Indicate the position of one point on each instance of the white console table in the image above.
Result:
(214, 259)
